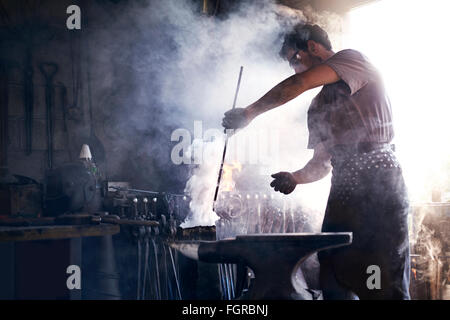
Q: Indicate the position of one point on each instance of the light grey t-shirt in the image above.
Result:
(353, 110)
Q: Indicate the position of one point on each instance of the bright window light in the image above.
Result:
(408, 41)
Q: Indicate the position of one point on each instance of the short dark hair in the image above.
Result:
(298, 38)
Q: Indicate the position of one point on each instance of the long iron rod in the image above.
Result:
(226, 139)
(157, 270)
(138, 295)
(145, 268)
(175, 274)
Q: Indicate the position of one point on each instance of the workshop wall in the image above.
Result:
(35, 32)
(40, 33)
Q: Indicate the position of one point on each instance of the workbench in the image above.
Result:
(35, 258)
(31, 233)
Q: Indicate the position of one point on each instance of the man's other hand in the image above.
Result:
(236, 118)
(283, 182)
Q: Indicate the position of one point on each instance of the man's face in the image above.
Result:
(300, 60)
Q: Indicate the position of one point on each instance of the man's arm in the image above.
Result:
(317, 168)
(292, 87)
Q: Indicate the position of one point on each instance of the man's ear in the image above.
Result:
(312, 47)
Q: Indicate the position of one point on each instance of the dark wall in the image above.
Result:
(130, 140)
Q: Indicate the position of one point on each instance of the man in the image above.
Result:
(350, 130)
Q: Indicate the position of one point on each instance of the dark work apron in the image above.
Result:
(368, 197)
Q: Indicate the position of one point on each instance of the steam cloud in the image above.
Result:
(180, 67)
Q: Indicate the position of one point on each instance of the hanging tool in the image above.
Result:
(48, 71)
(146, 258)
(158, 282)
(94, 142)
(164, 272)
(76, 78)
(175, 273)
(153, 265)
(226, 140)
(28, 99)
(231, 275)
(64, 106)
(139, 234)
(3, 119)
(138, 293)
(222, 281)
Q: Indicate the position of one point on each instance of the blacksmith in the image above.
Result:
(350, 130)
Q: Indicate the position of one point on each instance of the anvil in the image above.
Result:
(274, 258)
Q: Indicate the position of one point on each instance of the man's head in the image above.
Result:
(306, 46)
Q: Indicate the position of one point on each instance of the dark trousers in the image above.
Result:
(368, 197)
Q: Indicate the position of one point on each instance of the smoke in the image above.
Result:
(209, 58)
(428, 243)
(169, 66)
(278, 140)
(201, 187)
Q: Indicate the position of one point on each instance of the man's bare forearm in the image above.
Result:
(278, 95)
(312, 171)
(292, 87)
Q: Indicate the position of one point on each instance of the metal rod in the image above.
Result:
(145, 268)
(166, 274)
(138, 294)
(227, 277)
(231, 273)
(175, 274)
(143, 191)
(220, 278)
(155, 285)
(157, 270)
(226, 140)
(224, 281)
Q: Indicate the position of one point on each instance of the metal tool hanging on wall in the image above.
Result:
(48, 71)
(22, 21)
(3, 119)
(28, 99)
(93, 141)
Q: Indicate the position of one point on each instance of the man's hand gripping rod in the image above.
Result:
(226, 140)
